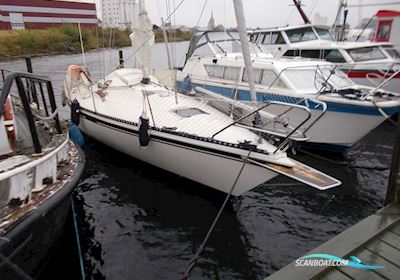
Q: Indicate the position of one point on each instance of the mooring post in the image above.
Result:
(393, 191)
(28, 62)
(121, 59)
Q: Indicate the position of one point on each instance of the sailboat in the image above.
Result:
(130, 111)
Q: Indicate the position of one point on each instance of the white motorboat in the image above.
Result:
(366, 63)
(132, 112)
(214, 63)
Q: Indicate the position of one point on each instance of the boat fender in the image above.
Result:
(8, 116)
(186, 85)
(144, 136)
(75, 111)
(76, 135)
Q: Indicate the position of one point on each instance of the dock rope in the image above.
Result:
(78, 243)
(196, 256)
(382, 112)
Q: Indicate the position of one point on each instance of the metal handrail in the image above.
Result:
(242, 118)
(25, 100)
(268, 103)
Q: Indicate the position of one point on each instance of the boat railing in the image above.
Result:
(36, 95)
(377, 77)
(4, 73)
(267, 114)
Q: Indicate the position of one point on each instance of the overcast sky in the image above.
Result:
(259, 13)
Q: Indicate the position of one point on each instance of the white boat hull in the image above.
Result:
(205, 167)
(342, 130)
(337, 130)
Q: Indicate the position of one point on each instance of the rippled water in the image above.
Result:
(139, 222)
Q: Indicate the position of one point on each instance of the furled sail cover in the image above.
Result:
(142, 38)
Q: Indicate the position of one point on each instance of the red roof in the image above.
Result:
(387, 13)
(50, 4)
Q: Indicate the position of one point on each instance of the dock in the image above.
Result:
(375, 241)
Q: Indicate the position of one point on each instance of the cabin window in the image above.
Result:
(289, 53)
(311, 54)
(391, 51)
(257, 75)
(265, 77)
(384, 27)
(189, 112)
(223, 72)
(324, 34)
(215, 71)
(267, 39)
(269, 78)
(301, 35)
(232, 73)
(333, 56)
(254, 37)
(277, 38)
(292, 53)
(366, 53)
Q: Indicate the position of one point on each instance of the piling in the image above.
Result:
(28, 62)
(121, 59)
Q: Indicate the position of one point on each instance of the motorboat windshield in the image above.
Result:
(318, 78)
(324, 33)
(366, 53)
(391, 51)
(214, 42)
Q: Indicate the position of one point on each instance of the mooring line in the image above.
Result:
(196, 256)
(83, 274)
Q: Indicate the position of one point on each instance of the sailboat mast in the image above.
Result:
(244, 42)
(303, 15)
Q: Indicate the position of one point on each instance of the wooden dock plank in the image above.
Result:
(391, 238)
(389, 271)
(396, 229)
(345, 243)
(385, 251)
(334, 274)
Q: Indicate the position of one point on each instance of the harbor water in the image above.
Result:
(139, 222)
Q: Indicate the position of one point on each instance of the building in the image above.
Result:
(117, 13)
(42, 14)
(211, 23)
(320, 20)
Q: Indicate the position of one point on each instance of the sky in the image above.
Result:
(259, 13)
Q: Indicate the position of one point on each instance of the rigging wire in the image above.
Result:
(290, 16)
(201, 13)
(313, 7)
(173, 12)
(197, 24)
(196, 256)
